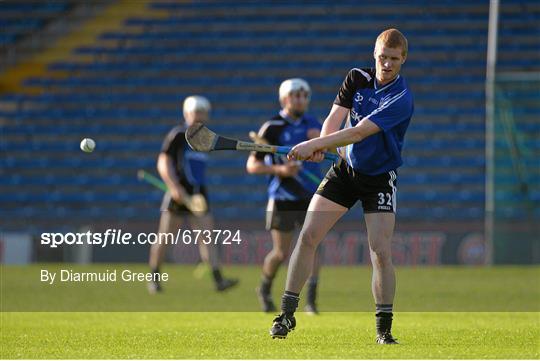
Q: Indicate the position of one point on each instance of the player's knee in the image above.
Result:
(309, 238)
(381, 256)
(279, 256)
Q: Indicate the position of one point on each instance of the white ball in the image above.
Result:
(88, 145)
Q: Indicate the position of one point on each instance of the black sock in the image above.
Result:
(156, 270)
(383, 318)
(217, 275)
(266, 284)
(289, 303)
(312, 290)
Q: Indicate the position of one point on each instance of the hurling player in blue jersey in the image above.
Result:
(289, 188)
(379, 105)
(183, 171)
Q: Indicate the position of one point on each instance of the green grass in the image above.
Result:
(245, 335)
(502, 318)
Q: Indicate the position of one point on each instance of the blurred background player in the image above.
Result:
(183, 170)
(289, 189)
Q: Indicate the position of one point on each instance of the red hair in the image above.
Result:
(393, 38)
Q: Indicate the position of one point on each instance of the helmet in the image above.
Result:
(194, 103)
(293, 84)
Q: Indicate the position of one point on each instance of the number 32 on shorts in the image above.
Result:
(385, 199)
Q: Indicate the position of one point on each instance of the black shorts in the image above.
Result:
(345, 186)
(169, 204)
(285, 215)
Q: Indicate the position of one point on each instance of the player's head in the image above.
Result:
(390, 53)
(294, 96)
(196, 109)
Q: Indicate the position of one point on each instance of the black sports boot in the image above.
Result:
(154, 287)
(282, 325)
(384, 326)
(225, 284)
(311, 306)
(386, 339)
(265, 299)
(311, 309)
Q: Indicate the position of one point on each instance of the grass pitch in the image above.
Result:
(444, 334)
(233, 335)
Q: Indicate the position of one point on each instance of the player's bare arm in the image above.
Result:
(166, 169)
(333, 121)
(331, 124)
(310, 150)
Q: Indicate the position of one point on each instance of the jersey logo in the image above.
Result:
(286, 136)
(374, 101)
(358, 98)
(322, 184)
(355, 115)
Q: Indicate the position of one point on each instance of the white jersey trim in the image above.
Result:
(393, 177)
(386, 86)
(269, 123)
(388, 103)
(365, 74)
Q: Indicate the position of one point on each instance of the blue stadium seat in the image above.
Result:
(127, 88)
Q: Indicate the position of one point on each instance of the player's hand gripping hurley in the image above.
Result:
(312, 177)
(195, 203)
